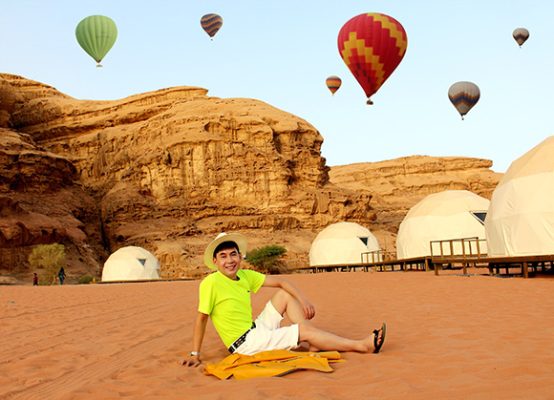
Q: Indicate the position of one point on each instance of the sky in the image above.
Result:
(281, 52)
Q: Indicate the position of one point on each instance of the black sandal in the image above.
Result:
(379, 340)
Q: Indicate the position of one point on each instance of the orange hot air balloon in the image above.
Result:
(333, 83)
(211, 23)
(372, 45)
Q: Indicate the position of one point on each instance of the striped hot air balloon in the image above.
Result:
(96, 34)
(372, 45)
(520, 35)
(464, 95)
(333, 83)
(211, 23)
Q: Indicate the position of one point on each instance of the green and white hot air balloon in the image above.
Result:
(96, 34)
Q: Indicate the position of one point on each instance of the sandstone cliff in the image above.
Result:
(396, 185)
(168, 170)
(41, 203)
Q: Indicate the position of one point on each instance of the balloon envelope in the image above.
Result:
(211, 23)
(464, 95)
(520, 35)
(96, 35)
(372, 46)
(333, 83)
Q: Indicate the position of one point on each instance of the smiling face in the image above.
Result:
(228, 262)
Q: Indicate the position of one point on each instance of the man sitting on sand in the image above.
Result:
(225, 297)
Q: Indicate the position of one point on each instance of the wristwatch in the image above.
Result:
(194, 353)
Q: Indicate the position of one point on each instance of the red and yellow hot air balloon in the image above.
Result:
(372, 45)
(333, 82)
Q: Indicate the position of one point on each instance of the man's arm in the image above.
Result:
(278, 282)
(197, 338)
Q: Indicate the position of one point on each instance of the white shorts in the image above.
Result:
(268, 333)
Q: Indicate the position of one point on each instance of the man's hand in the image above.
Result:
(192, 361)
(308, 308)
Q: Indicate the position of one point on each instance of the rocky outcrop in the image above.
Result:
(41, 202)
(170, 169)
(397, 185)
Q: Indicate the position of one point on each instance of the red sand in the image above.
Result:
(448, 336)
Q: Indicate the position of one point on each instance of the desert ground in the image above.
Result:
(449, 336)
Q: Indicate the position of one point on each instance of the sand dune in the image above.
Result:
(449, 337)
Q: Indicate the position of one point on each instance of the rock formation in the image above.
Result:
(41, 203)
(396, 185)
(170, 169)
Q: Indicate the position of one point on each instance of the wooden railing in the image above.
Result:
(470, 247)
(377, 256)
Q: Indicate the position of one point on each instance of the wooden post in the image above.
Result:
(525, 269)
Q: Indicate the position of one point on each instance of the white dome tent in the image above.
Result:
(520, 220)
(131, 263)
(342, 243)
(451, 214)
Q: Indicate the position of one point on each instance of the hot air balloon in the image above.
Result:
(520, 35)
(96, 35)
(372, 45)
(464, 95)
(333, 83)
(211, 23)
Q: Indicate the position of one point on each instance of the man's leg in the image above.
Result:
(285, 303)
(324, 340)
(318, 339)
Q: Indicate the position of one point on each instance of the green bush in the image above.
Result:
(48, 258)
(267, 259)
(85, 280)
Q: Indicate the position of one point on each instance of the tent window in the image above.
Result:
(364, 240)
(142, 261)
(480, 216)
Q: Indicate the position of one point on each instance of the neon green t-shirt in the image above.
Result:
(227, 302)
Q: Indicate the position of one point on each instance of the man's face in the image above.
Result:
(228, 262)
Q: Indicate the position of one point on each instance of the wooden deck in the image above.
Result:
(521, 265)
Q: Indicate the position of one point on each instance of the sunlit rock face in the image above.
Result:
(397, 185)
(168, 170)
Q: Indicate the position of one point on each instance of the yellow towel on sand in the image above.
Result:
(271, 363)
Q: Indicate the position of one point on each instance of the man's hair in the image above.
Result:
(225, 246)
